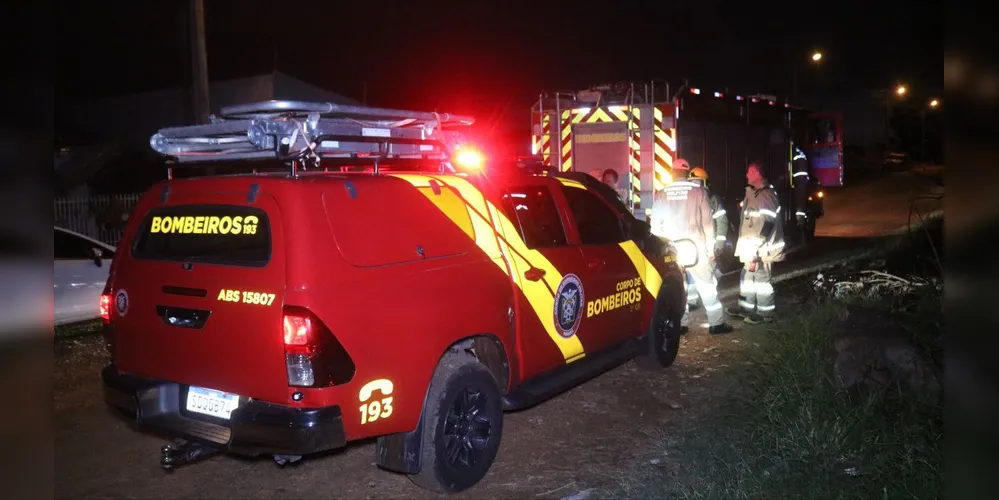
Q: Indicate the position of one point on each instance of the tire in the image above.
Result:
(662, 340)
(460, 380)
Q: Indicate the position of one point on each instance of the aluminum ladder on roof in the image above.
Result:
(297, 130)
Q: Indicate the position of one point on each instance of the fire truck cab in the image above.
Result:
(639, 130)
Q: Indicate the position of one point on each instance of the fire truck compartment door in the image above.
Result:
(599, 146)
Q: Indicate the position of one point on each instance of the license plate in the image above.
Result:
(211, 402)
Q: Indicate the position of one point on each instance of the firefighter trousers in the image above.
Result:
(691, 290)
(756, 292)
(705, 285)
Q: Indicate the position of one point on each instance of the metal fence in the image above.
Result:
(100, 217)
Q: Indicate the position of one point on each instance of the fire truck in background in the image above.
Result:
(639, 130)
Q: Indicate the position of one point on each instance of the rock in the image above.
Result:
(581, 495)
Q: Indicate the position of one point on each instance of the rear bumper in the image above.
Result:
(255, 427)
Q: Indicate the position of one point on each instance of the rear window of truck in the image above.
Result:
(212, 234)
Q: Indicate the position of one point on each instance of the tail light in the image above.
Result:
(108, 330)
(105, 308)
(313, 355)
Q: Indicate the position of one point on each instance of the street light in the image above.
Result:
(934, 103)
(901, 90)
(815, 57)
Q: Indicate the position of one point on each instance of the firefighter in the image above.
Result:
(611, 178)
(760, 244)
(718, 214)
(681, 170)
(683, 211)
(800, 179)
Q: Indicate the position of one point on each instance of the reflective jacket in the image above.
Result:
(719, 218)
(681, 211)
(800, 179)
(761, 232)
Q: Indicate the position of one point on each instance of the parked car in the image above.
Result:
(81, 271)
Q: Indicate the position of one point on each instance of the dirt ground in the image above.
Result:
(579, 442)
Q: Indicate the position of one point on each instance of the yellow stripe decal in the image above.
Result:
(671, 140)
(540, 294)
(483, 232)
(570, 182)
(649, 274)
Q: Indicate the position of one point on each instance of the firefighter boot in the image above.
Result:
(755, 318)
(720, 329)
(737, 312)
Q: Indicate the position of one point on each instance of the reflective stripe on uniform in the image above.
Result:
(718, 214)
(800, 174)
(683, 184)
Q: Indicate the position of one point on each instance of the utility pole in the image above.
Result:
(199, 62)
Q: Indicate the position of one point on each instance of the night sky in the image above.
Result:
(486, 57)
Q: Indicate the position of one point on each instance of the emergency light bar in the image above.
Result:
(296, 130)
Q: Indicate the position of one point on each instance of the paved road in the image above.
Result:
(882, 206)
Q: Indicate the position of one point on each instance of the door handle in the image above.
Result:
(595, 263)
(534, 274)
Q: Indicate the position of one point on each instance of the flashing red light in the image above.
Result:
(719, 94)
(105, 308)
(771, 103)
(297, 330)
(695, 91)
(469, 159)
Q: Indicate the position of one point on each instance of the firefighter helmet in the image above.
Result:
(698, 174)
(682, 166)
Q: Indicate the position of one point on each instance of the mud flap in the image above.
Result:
(401, 452)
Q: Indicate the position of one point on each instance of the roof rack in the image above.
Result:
(299, 131)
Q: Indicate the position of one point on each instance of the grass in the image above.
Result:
(791, 433)
(80, 329)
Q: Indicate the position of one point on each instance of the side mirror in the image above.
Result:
(96, 254)
(686, 252)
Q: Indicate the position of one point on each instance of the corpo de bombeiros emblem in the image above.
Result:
(121, 302)
(569, 299)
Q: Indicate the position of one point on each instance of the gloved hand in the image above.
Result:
(719, 248)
